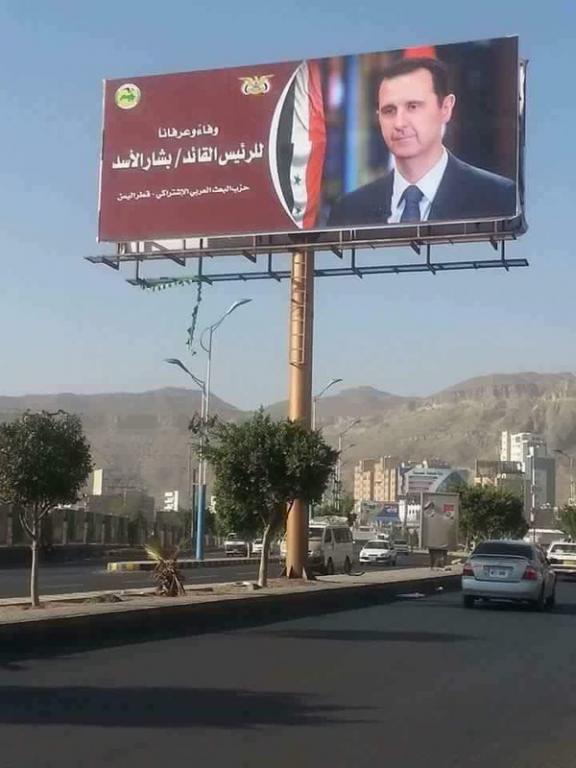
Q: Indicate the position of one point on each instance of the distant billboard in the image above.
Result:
(370, 141)
(378, 513)
(439, 520)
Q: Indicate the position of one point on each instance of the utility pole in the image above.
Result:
(300, 394)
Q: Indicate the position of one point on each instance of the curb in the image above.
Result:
(143, 624)
(148, 565)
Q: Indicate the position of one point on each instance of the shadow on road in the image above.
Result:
(161, 708)
(369, 636)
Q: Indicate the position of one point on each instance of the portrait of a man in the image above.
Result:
(426, 182)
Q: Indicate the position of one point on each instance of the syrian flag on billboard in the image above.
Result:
(297, 145)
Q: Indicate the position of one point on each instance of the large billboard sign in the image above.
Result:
(439, 520)
(370, 141)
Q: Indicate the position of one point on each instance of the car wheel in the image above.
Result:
(468, 601)
(329, 567)
(540, 603)
(347, 566)
(551, 601)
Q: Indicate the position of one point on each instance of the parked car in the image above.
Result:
(378, 551)
(235, 545)
(562, 557)
(508, 570)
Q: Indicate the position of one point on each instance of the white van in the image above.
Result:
(544, 536)
(330, 547)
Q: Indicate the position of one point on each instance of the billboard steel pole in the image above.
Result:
(300, 394)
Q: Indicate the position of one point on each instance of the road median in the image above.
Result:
(186, 563)
(96, 619)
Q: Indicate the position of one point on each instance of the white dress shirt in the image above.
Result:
(428, 185)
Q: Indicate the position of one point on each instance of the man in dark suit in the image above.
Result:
(427, 183)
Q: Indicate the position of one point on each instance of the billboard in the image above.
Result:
(383, 141)
(439, 520)
(378, 513)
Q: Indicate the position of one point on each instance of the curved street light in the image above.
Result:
(339, 464)
(318, 396)
(203, 468)
(205, 412)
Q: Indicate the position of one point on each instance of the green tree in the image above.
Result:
(44, 462)
(567, 520)
(260, 467)
(330, 509)
(490, 513)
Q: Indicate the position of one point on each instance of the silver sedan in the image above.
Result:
(508, 570)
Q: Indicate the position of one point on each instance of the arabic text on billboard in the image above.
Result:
(347, 142)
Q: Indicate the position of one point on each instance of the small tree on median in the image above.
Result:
(44, 462)
(261, 466)
(567, 520)
(487, 512)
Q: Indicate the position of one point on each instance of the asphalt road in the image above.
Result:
(417, 682)
(88, 577)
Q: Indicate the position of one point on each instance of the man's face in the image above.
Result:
(411, 115)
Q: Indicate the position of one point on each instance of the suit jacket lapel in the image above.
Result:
(384, 201)
(450, 198)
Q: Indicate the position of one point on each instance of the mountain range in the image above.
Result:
(142, 438)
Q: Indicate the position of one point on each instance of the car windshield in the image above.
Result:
(377, 545)
(563, 549)
(504, 549)
(315, 534)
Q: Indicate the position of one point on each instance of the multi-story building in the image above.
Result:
(540, 482)
(426, 479)
(531, 453)
(506, 475)
(377, 479)
(518, 446)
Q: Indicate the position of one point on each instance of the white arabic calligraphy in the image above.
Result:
(207, 154)
(204, 129)
(181, 192)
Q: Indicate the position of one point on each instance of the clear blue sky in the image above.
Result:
(71, 326)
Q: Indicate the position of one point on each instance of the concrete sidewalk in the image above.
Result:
(134, 615)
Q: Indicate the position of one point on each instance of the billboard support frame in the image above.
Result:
(348, 268)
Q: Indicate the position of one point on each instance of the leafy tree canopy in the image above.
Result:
(487, 512)
(567, 520)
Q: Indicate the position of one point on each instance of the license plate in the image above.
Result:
(498, 573)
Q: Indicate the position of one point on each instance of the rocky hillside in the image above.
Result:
(144, 436)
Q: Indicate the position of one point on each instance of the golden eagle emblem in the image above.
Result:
(255, 85)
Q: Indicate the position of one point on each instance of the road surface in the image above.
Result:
(417, 682)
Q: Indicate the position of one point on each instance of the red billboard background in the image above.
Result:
(192, 155)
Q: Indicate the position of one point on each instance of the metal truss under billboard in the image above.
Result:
(414, 146)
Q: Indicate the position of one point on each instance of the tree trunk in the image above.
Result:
(34, 600)
(263, 570)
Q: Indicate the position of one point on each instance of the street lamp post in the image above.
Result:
(318, 396)
(203, 468)
(315, 400)
(570, 458)
(339, 463)
(202, 385)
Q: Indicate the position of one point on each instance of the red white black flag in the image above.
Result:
(297, 145)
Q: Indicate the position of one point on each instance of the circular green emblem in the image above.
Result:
(127, 96)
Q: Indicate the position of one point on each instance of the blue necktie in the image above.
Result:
(411, 196)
